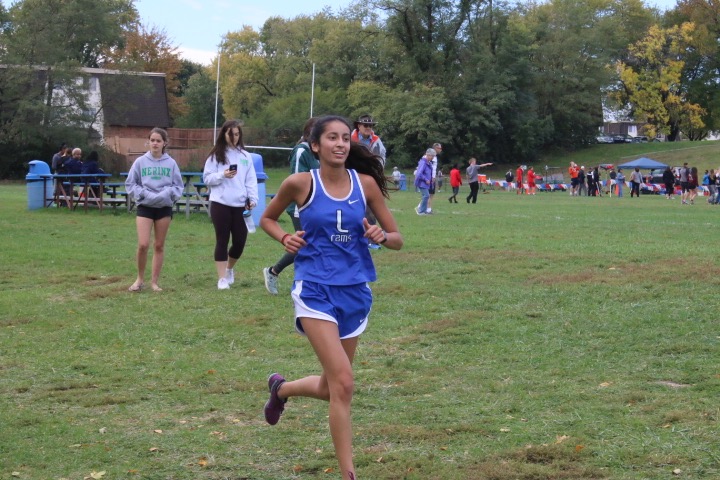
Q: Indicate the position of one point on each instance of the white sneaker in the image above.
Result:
(223, 284)
(270, 281)
(230, 276)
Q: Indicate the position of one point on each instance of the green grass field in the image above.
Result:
(525, 337)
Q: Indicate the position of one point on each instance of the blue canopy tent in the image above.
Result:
(647, 163)
(643, 162)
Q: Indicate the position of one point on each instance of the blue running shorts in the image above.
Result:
(348, 306)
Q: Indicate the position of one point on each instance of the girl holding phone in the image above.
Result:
(230, 175)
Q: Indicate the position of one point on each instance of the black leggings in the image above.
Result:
(228, 220)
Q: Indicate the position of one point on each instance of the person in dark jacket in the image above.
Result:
(91, 167)
(73, 165)
(669, 181)
(598, 182)
(583, 180)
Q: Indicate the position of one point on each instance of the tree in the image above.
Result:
(651, 82)
(187, 70)
(701, 71)
(246, 80)
(42, 45)
(52, 32)
(200, 102)
(574, 43)
(430, 31)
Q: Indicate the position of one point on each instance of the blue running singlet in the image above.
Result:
(336, 252)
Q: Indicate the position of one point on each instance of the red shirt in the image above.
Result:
(518, 175)
(455, 178)
(531, 177)
(573, 171)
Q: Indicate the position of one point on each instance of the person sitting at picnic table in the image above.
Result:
(73, 165)
(91, 167)
(58, 160)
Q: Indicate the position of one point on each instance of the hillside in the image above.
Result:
(703, 155)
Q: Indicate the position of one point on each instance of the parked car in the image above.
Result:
(622, 138)
(604, 139)
(655, 176)
(640, 139)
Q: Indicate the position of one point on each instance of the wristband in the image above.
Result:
(384, 237)
(282, 240)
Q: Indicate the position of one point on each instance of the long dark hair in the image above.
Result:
(221, 143)
(359, 158)
(307, 129)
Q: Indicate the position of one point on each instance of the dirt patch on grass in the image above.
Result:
(94, 280)
(559, 462)
(439, 325)
(14, 322)
(667, 383)
(661, 271)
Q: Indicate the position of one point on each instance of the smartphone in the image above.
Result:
(233, 168)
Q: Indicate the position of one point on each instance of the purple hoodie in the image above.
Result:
(423, 177)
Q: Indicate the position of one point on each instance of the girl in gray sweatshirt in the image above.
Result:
(155, 184)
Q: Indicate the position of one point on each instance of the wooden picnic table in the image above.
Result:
(65, 189)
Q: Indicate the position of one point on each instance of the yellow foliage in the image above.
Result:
(652, 80)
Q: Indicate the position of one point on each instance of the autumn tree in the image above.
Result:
(701, 71)
(652, 82)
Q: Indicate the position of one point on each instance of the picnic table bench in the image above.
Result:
(91, 191)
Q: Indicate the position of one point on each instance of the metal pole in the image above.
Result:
(217, 93)
(312, 92)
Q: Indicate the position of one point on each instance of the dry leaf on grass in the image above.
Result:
(297, 468)
(95, 475)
